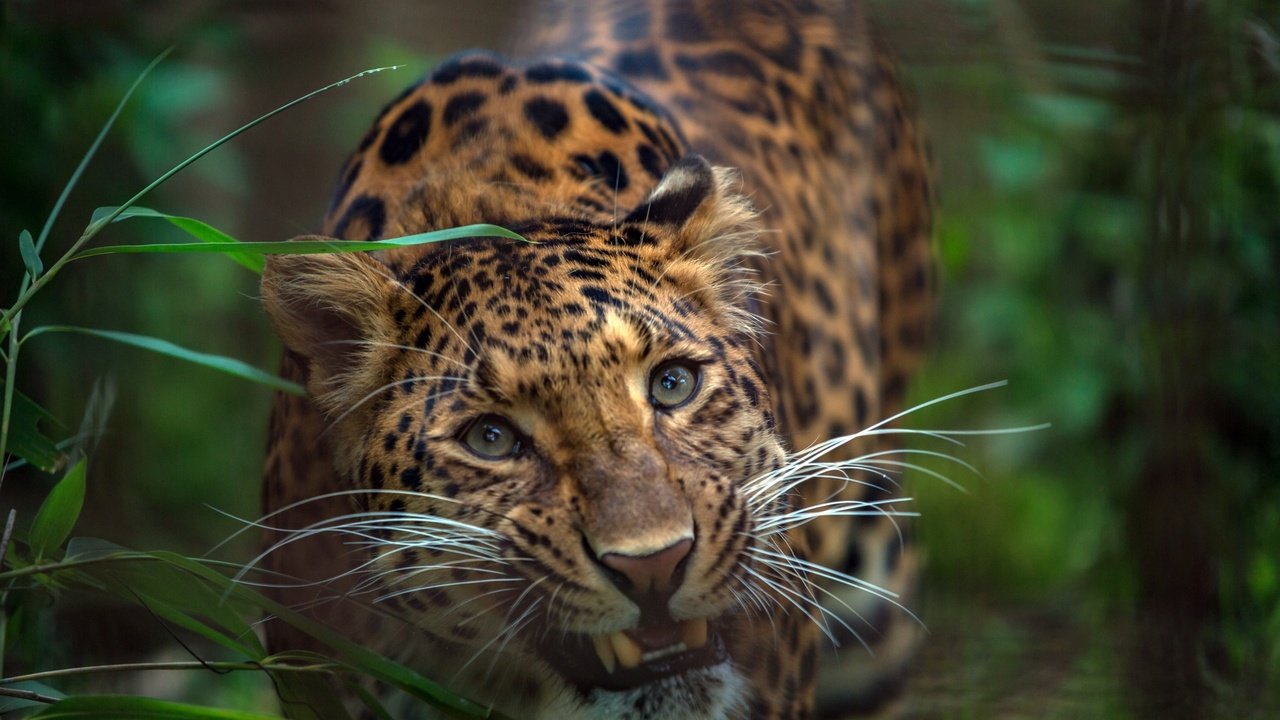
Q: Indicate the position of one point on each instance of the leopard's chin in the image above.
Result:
(712, 692)
(630, 659)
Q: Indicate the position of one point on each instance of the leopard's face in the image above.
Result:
(552, 444)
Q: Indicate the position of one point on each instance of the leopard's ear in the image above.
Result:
(698, 207)
(708, 230)
(333, 310)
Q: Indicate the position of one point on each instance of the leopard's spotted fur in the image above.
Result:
(641, 252)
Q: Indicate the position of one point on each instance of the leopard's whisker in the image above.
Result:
(412, 571)
(822, 571)
(454, 583)
(374, 393)
(344, 524)
(510, 634)
(762, 493)
(508, 626)
(400, 285)
(797, 600)
(398, 346)
(260, 523)
(838, 508)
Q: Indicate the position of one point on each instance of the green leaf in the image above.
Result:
(230, 366)
(307, 247)
(13, 704)
(25, 438)
(117, 707)
(59, 512)
(30, 257)
(195, 228)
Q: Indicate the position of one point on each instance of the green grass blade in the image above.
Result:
(227, 365)
(97, 225)
(59, 512)
(306, 247)
(118, 707)
(197, 229)
(93, 149)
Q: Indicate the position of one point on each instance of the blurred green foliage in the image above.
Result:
(1108, 237)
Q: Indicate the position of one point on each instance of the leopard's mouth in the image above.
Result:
(644, 654)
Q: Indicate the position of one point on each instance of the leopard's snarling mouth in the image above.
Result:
(644, 654)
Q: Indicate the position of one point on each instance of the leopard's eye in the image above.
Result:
(673, 384)
(492, 438)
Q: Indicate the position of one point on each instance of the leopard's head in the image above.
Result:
(553, 444)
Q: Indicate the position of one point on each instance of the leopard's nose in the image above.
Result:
(655, 573)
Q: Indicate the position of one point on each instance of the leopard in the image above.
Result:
(612, 463)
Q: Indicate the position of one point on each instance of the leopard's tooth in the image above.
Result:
(627, 650)
(604, 648)
(694, 633)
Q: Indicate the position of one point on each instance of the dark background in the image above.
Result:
(1110, 210)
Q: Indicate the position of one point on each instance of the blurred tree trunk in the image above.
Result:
(1171, 515)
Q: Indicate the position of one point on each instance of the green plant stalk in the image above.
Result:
(13, 315)
(27, 695)
(95, 227)
(10, 373)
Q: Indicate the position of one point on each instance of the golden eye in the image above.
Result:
(492, 438)
(673, 384)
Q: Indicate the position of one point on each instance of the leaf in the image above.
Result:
(307, 247)
(118, 707)
(25, 437)
(12, 704)
(195, 228)
(30, 256)
(227, 365)
(59, 512)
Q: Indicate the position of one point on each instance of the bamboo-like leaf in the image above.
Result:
(197, 229)
(306, 247)
(59, 512)
(120, 707)
(131, 574)
(30, 256)
(26, 440)
(13, 704)
(227, 365)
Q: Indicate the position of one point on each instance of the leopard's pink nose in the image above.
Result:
(655, 572)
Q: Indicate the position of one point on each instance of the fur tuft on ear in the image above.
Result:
(333, 310)
(699, 215)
